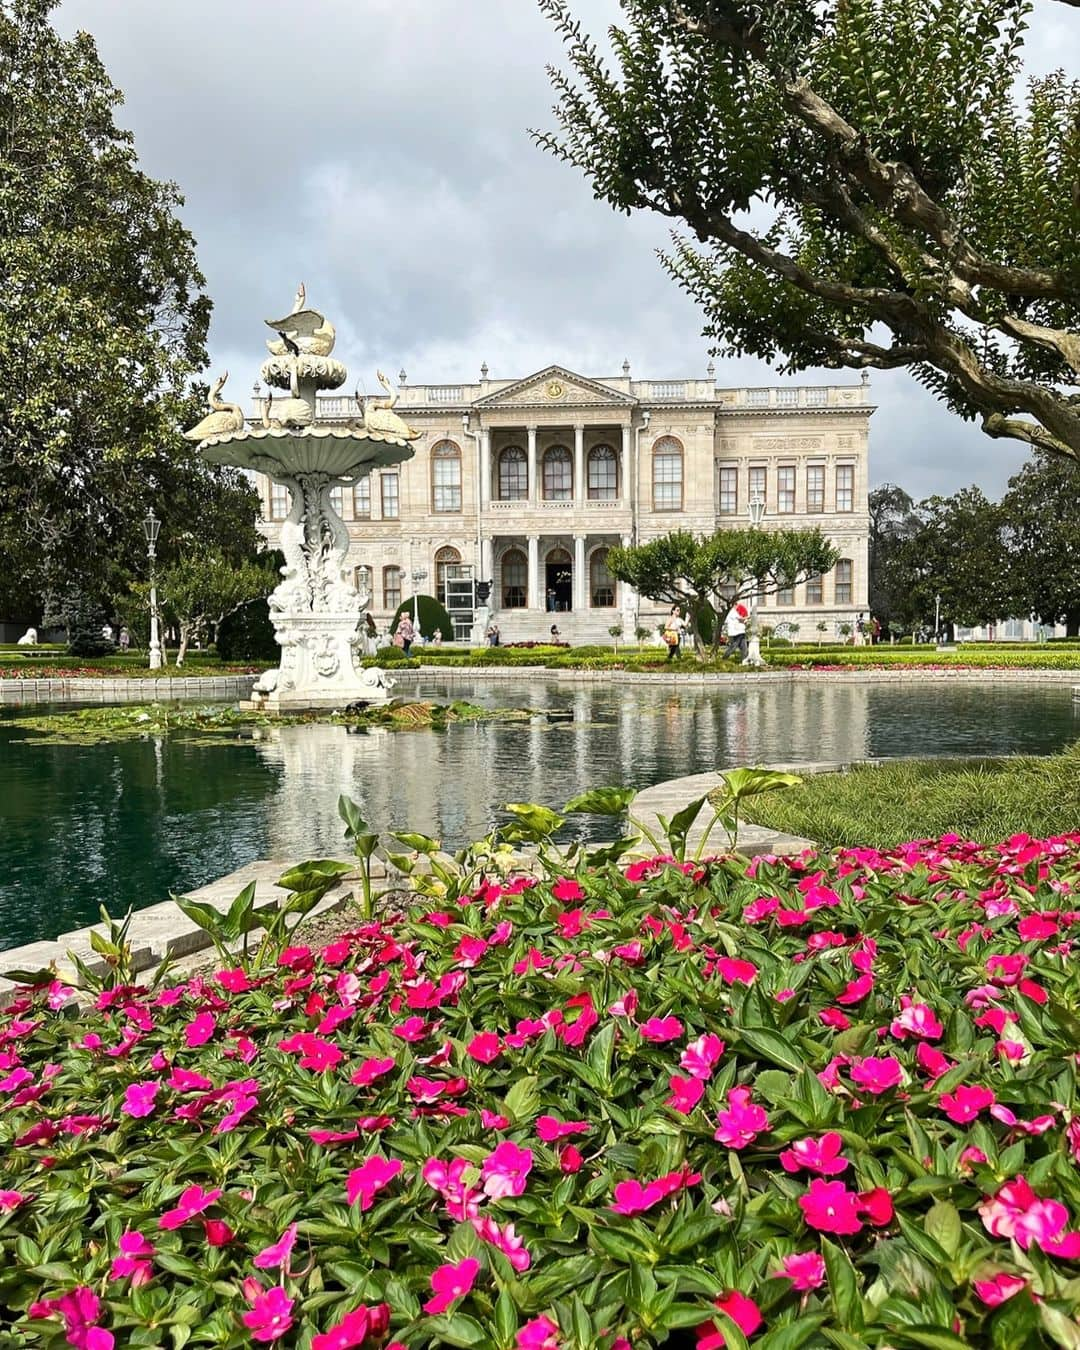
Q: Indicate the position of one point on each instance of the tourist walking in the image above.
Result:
(406, 632)
(125, 639)
(673, 631)
(493, 635)
(735, 625)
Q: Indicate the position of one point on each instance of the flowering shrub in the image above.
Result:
(815, 1102)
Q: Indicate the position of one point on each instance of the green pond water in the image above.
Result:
(128, 822)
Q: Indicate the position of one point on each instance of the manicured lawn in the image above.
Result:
(920, 799)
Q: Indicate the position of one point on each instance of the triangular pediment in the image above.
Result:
(553, 387)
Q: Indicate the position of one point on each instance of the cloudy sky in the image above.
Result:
(379, 150)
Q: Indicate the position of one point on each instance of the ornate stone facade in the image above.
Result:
(530, 481)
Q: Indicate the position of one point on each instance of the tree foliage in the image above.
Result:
(893, 521)
(849, 170)
(198, 591)
(1043, 536)
(707, 574)
(102, 329)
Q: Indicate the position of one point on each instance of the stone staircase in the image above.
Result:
(579, 629)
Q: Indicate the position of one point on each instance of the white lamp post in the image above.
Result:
(755, 510)
(937, 618)
(152, 528)
(417, 577)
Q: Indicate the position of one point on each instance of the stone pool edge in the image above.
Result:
(86, 689)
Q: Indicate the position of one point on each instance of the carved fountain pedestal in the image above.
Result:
(316, 610)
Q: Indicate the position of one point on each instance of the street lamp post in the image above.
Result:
(417, 577)
(937, 618)
(755, 510)
(152, 528)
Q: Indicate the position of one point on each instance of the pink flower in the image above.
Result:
(660, 1029)
(451, 1282)
(139, 1098)
(199, 1030)
(742, 1122)
(278, 1253)
(685, 1093)
(830, 1207)
(805, 1270)
(372, 1069)
(270, 1316)
(461, 1201)
(133, 1259)
(567, 889)
(631, 1197)
(1017, 1212)
(625, 1006)
(570, 1159)
(700, 1055)
(354, 1328)
(80, 1310)
(505, 1170)
(1036, 927)
(966, 1103)
(733, 971)
(193, 1201)
(373, 1174)
(833, 1017)
(549, 1129)
(999, 1289)
(916, 1019)
(742, 1310)
(315, 1052)
(491, 1120)
(507, 1241)
(856, 990)
(217, 1233)
(186, 1080)
(540, 1333)
(484, 1047)
(876, 1074)
(932, 1061)
(11, 1200)
(412, 1029)
(815, 1155)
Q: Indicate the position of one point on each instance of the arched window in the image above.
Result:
(558, 474)
(603, 473)
(445, 476)
(515, 579)
(513, 475)
(667, 474)
(444, 558)
(391, 587)
(601, 582)
(361, 577)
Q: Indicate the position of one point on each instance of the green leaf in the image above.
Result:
(536, 821)
(942, 1223)
(458, 1329)
(419, 843)
(523, 1100)
(320, 870)
(355, 824)
(772, 1046)
(792, 1336)
(932, 1338)
(743, 783)
(843, 1286)
(609, 801)
(505, 1320)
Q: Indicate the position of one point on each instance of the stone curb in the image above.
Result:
(737, 680)
(168, 689)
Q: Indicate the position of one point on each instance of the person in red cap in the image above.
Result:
(736, 631)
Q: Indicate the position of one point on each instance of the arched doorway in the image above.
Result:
(558, 581)
(445, 557)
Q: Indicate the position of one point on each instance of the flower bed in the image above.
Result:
(825, 1102)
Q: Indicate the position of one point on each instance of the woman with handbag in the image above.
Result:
(673, 631)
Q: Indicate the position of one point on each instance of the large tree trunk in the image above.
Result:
(185, 638)
(1072, 623)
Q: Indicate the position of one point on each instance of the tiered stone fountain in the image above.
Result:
(316, 610)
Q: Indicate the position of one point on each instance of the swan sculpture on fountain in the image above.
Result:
(304, 332)
(222, 418)
(378, 415)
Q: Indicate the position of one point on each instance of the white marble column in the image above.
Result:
(534, 486)
(485, 467)
(579, 463)
(624, 466)
(628, 601)
(533, 596)
(487, 566)
(580, 580)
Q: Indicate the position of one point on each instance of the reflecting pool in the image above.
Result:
(131, 821)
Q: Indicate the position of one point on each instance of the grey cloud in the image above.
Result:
(378, 149)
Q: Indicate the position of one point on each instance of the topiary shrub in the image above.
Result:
(432, 615)
(247, 634)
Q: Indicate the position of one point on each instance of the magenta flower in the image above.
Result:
(815, 1155)
(830, 1207)
(733, 971)
(134, 1259)
(570, 1159)
(966, 1103)
(193, 1201)
(932, 1061)
(856, 990)
(278, 1253)
(217, 1233)
(999, 1288)
(373, 1174)
(372, 1069)
(139, 1098)
(742, 1310)
(549, 1129)
(354, 1328)
(505, 1170)
(451, 1282)
(1017, 1212)
(916, 1019)
(507, 1241)
(412, 1029)
(539, 1333)
(805, 1270)
(186, 1080)
(80, 1310)
(701, 1055)
(625, 1006)
(685, 1093)
(876, 1074)
(484, 1047)
(270, 1315)
(567, 889)
(631, 1197)
(469, 951)
(742, 1122)
(462, 1202)
(199, 1030)
(660, 1029)
(11, 1200)
(315, 1052)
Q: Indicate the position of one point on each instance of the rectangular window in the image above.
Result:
(279, 501)
(337, 499)
(786, 595)
(814, 591)
(845, 487)
(729, 491)
(758, 483)
(391, 585)
(446, 482)
(389, 496)
(842, 584)
(785, 489)
(815, 487)
(361, 498)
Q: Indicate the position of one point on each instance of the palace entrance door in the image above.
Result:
(558, 582)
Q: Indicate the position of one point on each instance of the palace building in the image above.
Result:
(527, 483)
